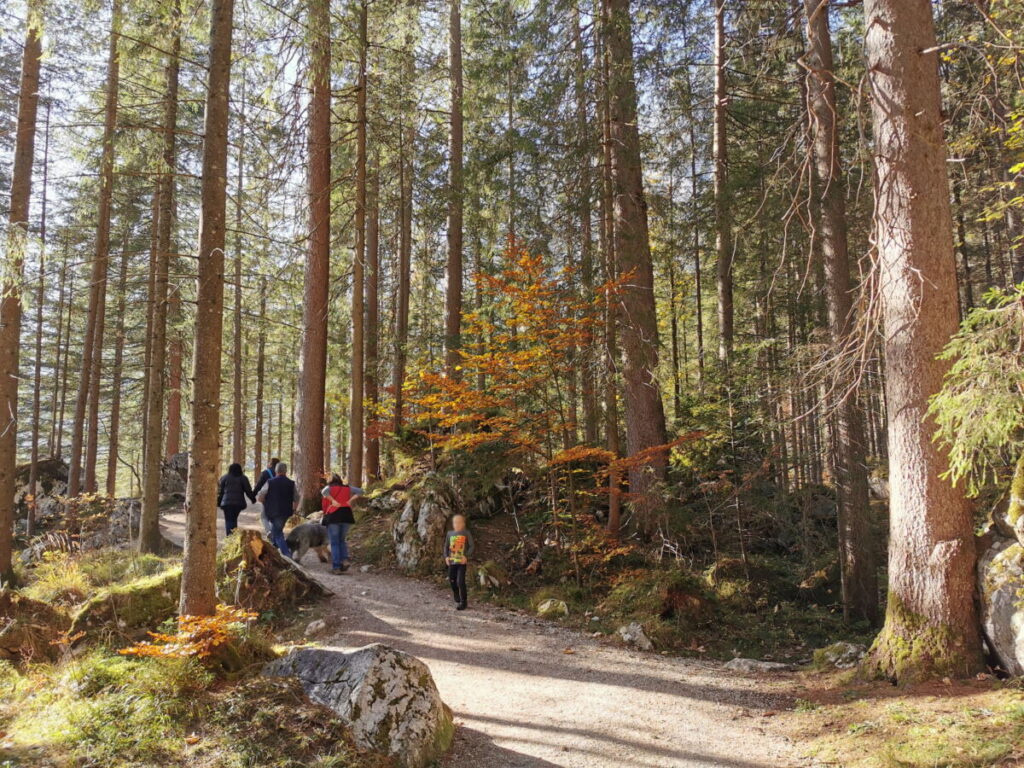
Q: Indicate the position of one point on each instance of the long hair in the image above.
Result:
(235, 470)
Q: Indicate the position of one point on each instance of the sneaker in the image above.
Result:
(460, 607)
(344, 567)
(337, 571)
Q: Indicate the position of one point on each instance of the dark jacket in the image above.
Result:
(266, 474)
(279, 496)
(233, 490)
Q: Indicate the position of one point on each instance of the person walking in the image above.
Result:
(232, 492)
(280, 498)
(265, 475)
(338, 517)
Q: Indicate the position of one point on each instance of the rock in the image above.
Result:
(842, 655)
(879, 487)
(633, 635)
(365, 568)
(418, 533)
(552, 609)
(315, 627)
(124, 613)
(1000, 580)
(753, 665)
(388, 698)
(29, 629)
(174, 475)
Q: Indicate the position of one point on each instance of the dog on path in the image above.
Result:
(307, 536)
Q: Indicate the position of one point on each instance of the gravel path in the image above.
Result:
(530, 694)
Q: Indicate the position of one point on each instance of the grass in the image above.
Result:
(973, 724)
(107, 710)
(69, 579)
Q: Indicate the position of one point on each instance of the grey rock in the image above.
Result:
(841, 655)
(754, 665)
(174, 475)
(552, 609)
(1000, 580)
(387, 697)
(315, 627)
(633, 635)
(418, 533)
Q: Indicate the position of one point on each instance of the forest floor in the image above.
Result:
(528, 693)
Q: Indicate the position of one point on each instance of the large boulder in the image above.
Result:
(174, 475)
(419, 531)
(387, 697)
(1000, 584)
(51, 483)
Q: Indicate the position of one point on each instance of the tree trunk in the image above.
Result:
(453, 294)
(856, 544)
(406, 164)
(237, 419)
(261, 347)
(931, 626)
(147, 355)
(372, 462)
(37, 383)
(86, 408)
(645, 415)
(62, 407)
(10, 279)
(723, 207)
(113, 452)
(150, 539)
(199, 571)
(53, 444)
(175, 360)
(309, 456)
(355, 467)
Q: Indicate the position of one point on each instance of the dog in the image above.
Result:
(307, 536)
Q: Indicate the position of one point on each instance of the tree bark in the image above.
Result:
(150, 539)
(10, 279)
(856, 545)
(37, 383)
(723, 206)
(453, 293)
(309, 455)
(85, 427)
(113, 452)
(355, 468)
(645, 415)
(407, 152)
(261, 347)
(53, 444)
(237, 418)
(372, 462)
(931, 626)
(199, 571)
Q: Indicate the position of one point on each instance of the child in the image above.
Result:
(458, 546)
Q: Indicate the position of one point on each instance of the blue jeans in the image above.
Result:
(277, 535)
(337, 532)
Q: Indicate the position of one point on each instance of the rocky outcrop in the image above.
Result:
(387, 697)
(52, 483)
(174, 475)
(418, 533)
(1000, 585)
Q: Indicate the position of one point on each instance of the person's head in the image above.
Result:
(235, 470)
(280, 468)
(459, 523)
(336, 479)
(273, 463)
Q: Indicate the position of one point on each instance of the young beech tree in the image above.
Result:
(199, 573)
(931, 627)
(10, 277)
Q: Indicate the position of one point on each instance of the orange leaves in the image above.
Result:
(197, 636)
(582, 453)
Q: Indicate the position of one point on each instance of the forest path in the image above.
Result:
(521, 700)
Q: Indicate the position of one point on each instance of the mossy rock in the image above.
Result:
(29, 629)
(124, 613)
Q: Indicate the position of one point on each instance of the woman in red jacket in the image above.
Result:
(338, 517)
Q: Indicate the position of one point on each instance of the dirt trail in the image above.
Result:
(521, 700)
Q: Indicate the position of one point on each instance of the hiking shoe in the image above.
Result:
(337, 571)
(460, 607)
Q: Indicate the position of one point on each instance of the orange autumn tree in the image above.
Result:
(515, 372)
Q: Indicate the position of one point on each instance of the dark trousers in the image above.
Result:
(231, 513)
(457, 578)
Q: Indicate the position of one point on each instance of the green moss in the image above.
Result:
(124, 613)
(910, 648)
